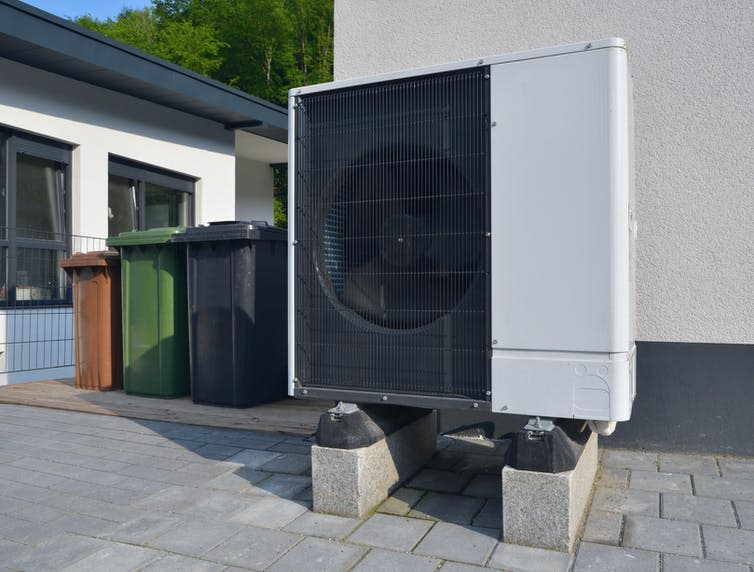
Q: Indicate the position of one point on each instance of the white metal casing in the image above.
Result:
(562, 229)
(562, 330)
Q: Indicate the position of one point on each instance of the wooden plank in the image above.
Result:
(289, 416)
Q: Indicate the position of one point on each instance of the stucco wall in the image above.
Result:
(694, 109)
(98, 122)
(254, 190)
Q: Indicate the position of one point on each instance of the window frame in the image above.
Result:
(17, 143)
(140, 175)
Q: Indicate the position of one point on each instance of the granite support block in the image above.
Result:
(351, 482)
(545, 510)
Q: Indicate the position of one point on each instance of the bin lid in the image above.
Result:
(232, 230)
(152, 236)
(96, 258)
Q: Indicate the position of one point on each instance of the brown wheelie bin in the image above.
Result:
(97, 319)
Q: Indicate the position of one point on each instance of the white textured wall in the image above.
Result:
(254, 190)
(694, 107)
(98, 122)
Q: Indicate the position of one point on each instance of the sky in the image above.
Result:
(100, 9)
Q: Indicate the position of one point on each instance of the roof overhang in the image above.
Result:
(41, 40)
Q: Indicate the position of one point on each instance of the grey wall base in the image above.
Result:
(351, 482)
(545, 510)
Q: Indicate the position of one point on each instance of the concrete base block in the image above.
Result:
(351, 482)
(545, 510)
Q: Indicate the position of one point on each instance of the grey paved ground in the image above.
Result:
(88, 492)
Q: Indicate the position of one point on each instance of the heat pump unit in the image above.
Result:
(462, 236)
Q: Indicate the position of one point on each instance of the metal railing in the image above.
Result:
(36, 314)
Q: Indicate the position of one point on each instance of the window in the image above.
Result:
(141, 197)
(34, 214)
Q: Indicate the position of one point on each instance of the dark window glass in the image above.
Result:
(142, 197)
(38, 209)
(38, 276)
(121, 197)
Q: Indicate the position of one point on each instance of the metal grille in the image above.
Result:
(391, 218)
(36, 317)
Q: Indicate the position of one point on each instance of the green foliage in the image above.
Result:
(263, 47)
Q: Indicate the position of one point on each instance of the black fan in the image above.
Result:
(398, 247)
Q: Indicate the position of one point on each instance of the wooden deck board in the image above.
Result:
(289, 416)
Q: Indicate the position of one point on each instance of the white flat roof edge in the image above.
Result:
(464, 64)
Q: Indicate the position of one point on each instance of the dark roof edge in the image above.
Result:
(90, 35)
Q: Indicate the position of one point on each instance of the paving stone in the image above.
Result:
(303, 448)
(217, 452)
(307, 494)
(194, 537)
(28, 511)
(54, 553)
(145, 528)
(689, 464)
(745, 512)
(458, 567)
(177, 563)
(661, 482)
(24, 531)
(603, 527)
(737, 469)
(487, 486)
(380, 560)
(459, 543)
(285, 486)
(169, 499)
(252, 547)
(83, 524)
(253, 458)
(626, 459)
(674, 563)
(525, 559)
(10, 551)
(116, 557)
(630, 501)
(401, 502)
(651, 533)
(448, 508)
(491, 515)
(612, 478)
(289, 463)
(319, 555)
(209, 503)
(698, 509)
(236, 481)
(324, 525)
(440, 481)
(728, 544)
(392, 532)
(270, 512)
(603, 558)
(722, 487)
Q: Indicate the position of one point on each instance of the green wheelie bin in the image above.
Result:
(155, 329)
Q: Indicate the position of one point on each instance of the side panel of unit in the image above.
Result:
(291, 244)
(561, 281)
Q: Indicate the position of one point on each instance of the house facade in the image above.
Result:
(99, 138)
(694, 126)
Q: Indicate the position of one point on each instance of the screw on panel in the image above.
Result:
(587, 46)
(486, 76)
(295, 243)
(480, 62)
(488, 234)
(494, 123)
(305, 391)
(488, 393)
(504, 408)
(384, 398)
(494, 342)
(476, 405)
